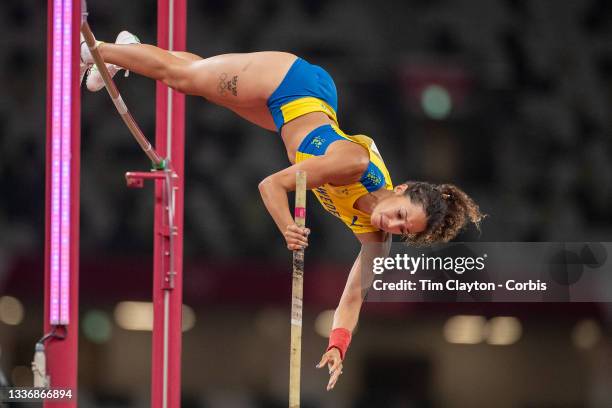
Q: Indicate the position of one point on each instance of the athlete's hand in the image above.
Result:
(296, 237)
(334, 363)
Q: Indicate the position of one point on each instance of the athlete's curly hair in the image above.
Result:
(448, 209)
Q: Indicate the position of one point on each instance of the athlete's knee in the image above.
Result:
(179, 77)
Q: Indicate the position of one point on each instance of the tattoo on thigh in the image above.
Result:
(227, 84)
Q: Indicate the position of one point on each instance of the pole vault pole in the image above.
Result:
(168, 240)
(297, 291)
(59, 346)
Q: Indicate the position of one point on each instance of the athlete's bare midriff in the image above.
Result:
(295, 131)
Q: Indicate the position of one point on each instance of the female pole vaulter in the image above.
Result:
(283, 93)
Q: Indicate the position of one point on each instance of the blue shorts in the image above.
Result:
(306, 88)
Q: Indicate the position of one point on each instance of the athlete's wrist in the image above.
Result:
(339, 338)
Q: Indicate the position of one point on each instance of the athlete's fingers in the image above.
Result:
(296, 239)
(299, 230)
(293, 245)
(333, 379)
(324, 360)
(296, 235)
(293, 227)
(334, 364)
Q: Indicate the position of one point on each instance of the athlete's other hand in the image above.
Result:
(334, 363)
(296, 237)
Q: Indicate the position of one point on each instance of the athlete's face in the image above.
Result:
(396, 214)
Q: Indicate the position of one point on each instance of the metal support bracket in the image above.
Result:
(167, 229)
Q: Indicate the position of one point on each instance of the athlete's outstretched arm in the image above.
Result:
(359, 281)
(373, 244)
(333, 167)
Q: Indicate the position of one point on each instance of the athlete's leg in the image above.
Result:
(144, 59)
(231, 80)
(259, 116)
(240, 80)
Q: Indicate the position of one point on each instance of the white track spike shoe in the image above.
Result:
(83, 69)
(86, 57)
(94, 78)
(85, 54)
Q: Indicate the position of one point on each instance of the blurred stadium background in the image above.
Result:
(509, 99)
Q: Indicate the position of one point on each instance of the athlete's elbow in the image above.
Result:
(272, 183)
(264, 186)
(267, 186)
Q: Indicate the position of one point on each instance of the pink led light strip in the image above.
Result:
(61, 128)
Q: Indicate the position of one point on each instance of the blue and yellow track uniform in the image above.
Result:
(309, 88)
(306, 88)
(340, 200)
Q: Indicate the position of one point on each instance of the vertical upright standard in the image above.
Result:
(297, 290)
(168, 240)
(61, 320)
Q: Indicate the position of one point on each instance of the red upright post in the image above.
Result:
(62, 197)
(168, 240)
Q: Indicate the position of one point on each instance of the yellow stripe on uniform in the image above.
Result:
(302, 106)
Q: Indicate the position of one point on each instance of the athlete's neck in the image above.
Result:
(367, 202)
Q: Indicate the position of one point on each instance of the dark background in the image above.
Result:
(527, 135)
